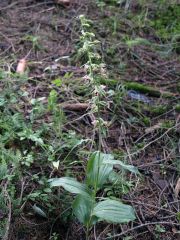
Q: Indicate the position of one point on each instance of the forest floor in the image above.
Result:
(142, 78)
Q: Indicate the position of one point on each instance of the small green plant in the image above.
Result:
(136, 42)
(118, 185)
(87, 206)
(57, 112)
(101, 4)
(178, 216)
(54, 236)
(27, 159)
(38, 108)
(34, 40)
(158, 231)
(166, 21)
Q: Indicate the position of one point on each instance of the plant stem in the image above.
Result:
(87, 232)
(97, 98)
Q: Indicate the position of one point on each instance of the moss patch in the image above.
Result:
(167, 22)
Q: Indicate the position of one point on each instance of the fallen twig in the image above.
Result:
(6, 235)
(140, 226)
(75, 106)
(177, 188)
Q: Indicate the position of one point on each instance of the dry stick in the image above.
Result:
(167, 158)
(162, 194)
(177, 188)
(75, 106)
(9, 6)
(22, 189)
(6, 235)
(36, 5)
(47, 10)
(95, 237)
(106, 229)
(7, 49)
(8, 40)
(77, 119)
(142, 225)
(151, 206)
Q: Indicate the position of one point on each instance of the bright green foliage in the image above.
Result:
(29, 134)
(82, 208)
(20, 137)
(97, 171)
(39, 211)
(114, 211)
(167, 21)
(34, 40)
(4, 211)
(57, 82)
(52, 99)
(137, 42)
(124, 166)
(71, 185)
(86, 207)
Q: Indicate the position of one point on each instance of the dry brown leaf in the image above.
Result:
(177, 188)
(153, 128)
(64, 2)
(174, 230)
(21, 66)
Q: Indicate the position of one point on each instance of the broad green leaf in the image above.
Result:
(114, 211)
(123, 165)
(82, 208)
(97, 170)
(71, 185)
(3, 170)
(39, 211)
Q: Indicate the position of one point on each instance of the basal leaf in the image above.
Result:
(97, 170)
(123, 165)
(114, 211)
(71, 185)
(39, 211)
(82, 208)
